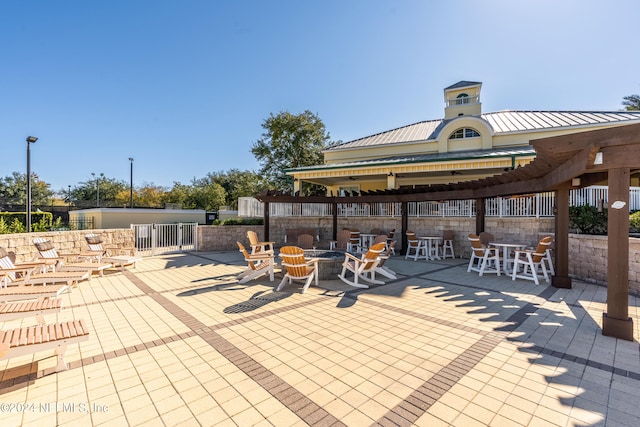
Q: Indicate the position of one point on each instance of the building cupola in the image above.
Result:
(462, 99)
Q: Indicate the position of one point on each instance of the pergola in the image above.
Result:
(562, 163)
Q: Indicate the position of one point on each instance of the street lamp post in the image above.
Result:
(30, 140)
(97, 187)
(131, 184)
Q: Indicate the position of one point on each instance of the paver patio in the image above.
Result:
(177, 341)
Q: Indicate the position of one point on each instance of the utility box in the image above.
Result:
(211, 217)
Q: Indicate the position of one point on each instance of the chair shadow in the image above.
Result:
(213, 288)
(257, 300)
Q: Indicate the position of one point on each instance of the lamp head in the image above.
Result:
(31, 139)
(131, 159)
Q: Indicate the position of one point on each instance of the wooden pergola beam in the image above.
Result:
(558, 160)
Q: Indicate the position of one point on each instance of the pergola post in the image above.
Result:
(561, 251)
(481, 212)
(616, 321)
(404, 225)
(334, 211)
(266, 221)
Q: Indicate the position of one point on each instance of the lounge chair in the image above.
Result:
(258, 264)
(29, 274)
(41, 265)
(33, 339)
(297, 267)
(47, 251)
(363, 268)
(99, 252)
(22, 292)
(30, 308)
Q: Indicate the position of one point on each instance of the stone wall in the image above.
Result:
(588, 259)
(64, 241)
(223, 237)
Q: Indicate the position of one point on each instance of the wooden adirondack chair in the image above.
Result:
(257, 245)
(363, 268)
(257, 265)
(297, 267)
(305, 241)
(381, 268)
(343, 242)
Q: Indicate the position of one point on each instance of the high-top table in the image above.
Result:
(430, 243)
(366, 240)
(507, 247)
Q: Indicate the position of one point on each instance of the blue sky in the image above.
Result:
(183, 87)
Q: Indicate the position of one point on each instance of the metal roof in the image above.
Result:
(558, 160)
(462, 83)
(502, 122)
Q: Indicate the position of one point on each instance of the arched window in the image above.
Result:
(464, 133)
(463, 98)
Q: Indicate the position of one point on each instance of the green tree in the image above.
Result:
(85, 194)
(203, 193)
(207, 194)
(631, 102)
(13, 190)
(237, 183)
(180, 193)
(150, 195)
(289, 141)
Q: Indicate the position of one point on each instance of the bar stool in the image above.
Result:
(447, 244)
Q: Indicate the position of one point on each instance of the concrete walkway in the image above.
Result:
(177, 341)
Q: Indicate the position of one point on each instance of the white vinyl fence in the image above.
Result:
(155, 239)
(532, 205)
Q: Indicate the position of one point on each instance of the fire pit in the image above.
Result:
(329, 262)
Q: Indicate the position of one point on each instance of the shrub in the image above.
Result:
(40, 221)
(587, 220)
(634, 222)
(241, 221)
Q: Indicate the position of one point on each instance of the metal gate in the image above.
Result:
(155, 239)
